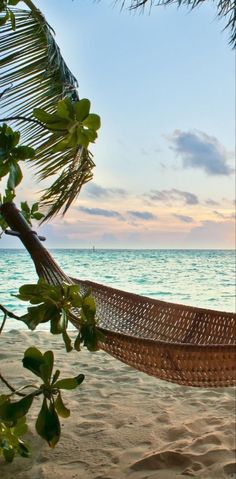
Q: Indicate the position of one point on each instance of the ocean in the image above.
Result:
(204, 278)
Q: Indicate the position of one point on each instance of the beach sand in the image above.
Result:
(123, 423)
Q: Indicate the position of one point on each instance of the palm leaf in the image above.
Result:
(226, 9)
(34, 74)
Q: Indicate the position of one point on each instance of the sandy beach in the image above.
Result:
(124, 424)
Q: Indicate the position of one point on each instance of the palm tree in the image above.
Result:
(34, 74)
(226, 9)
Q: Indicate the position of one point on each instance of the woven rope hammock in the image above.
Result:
(177, 343)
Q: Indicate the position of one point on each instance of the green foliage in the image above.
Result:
(74, 120)
(88, 334)
(9, 196)
(13, 426)
(12, 413)
(56, 304)
(10, 154)
(48, 423)
(37, 75)
(3, 225)
(29, 213)
(32, 213)
(31, 55)
(42, 366)
(8, 13)
(11, 442)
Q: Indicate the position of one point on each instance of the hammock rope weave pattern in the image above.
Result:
(178, 343)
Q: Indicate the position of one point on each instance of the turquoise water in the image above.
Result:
(204, 278)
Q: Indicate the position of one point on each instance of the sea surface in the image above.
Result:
(204, 278)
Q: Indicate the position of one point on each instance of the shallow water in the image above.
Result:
(204, 278)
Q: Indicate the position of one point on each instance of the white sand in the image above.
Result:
(124, 424)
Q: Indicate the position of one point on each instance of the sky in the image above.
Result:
(163, 84)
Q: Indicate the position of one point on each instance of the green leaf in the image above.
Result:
(48, 425)
(42, 115)
(10, 441)
(23, 449)
(76, 301)
(82, 139)
(67, 341)
(37, 216)
(74, 290)
(34, 208)
(9, 196)
(72, 136)
(52, 313)
(37, 293)
(90, 336)
(56, 326)
(25, 207)
(4, 19)
(4, 398)
(55, 376)
(52, 120)
(36, 315)
(8, 451)
(58, 125)
(3, 153)
(65, 109)
(62, 410)
(23, 152)
(82, 108)
(92, 121)
(69, 383)
(20, 427)
(91, 135)
(4, 168)
(13, 20)
(32, 360)
(27, 292)
(48, 358)
(89, 308)
(77, 343)
(61, 145)
(15, 410)
(16, 138)
(13, 2)
(15, 175)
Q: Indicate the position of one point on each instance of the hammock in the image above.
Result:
(182, 344)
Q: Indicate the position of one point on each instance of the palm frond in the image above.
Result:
(72, 178)
(34, 74)
(226, 9)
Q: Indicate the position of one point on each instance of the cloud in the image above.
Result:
(213, 234)
(211, 202)
(101, 212)
(172, 195)
(223, 216)
(199, 150)
(96, 191)
(184, 218)
(142, 215)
